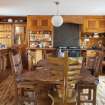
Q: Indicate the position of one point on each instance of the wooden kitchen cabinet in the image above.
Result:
(12, 30)
(6, 35)
(94, 24)
(40, 37)
(32, 23)
(40, 31)
(45, 23)
(19, 33)
(39, 23)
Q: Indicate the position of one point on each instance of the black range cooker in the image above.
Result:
(72, 51)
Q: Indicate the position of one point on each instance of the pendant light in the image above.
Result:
(57, 20)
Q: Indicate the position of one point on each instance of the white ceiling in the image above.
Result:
(47, 7)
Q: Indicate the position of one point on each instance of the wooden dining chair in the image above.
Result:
(98, 64)
(60, 63)
(25, 88)
(71, 73)
(75, 65)
(86, 88)
(94, 64)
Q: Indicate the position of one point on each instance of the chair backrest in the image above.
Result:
(94, 63)
(16, 63)
(75, 65)
(90, 61)
(98, 64)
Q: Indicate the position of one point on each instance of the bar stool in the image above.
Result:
(86, 93)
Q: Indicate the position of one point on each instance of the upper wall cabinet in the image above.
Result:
(94, 24)
(40, 23)
(39, 31)
(12, 30)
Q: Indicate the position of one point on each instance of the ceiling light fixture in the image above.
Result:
(57, 20)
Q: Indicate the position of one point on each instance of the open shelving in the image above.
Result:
(40, 39)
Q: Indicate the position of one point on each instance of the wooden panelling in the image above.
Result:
(73, 19)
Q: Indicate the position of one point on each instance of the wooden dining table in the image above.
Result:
(49, 75)
(44, 75)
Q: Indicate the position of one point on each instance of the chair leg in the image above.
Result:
(35, 96)
(94, 96)
(89, 95)
(20, 94)
(78, 97)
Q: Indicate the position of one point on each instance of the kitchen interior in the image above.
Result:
(34, 39)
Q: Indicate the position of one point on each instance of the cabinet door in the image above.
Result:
(101, 25)
(32, 23)
(20, 34)
(90, 25)
(45, 23)
(94, 24)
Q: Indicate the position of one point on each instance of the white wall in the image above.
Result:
(47, 7)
